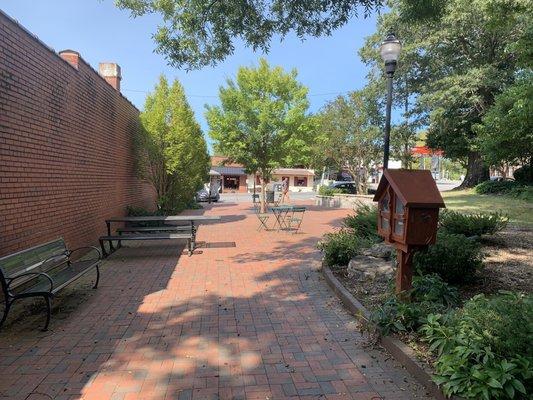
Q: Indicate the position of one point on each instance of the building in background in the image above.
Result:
(235, 179)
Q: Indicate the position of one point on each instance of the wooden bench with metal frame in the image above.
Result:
(150, 236)
(43, 270)
(161, 232)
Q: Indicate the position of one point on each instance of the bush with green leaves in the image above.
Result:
(484, 348)
(340, 247)
(524, 175)
(475, 224)
(497, 187)
(328, 191)
(455, 258)
(429, 295)
(364, 222)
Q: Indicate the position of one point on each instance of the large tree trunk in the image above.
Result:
(476, 171)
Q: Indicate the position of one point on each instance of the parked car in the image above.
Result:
(203, 195)
(500, 179)
(346, 187)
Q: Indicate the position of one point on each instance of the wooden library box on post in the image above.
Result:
(408, 214)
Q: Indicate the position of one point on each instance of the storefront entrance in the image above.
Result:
(231, 182)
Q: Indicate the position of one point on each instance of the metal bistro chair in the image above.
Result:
(296, 218)
(262, 217)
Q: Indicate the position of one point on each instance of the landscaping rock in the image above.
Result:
(366, 268)
(379, 250)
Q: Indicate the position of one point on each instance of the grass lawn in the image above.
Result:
(520, 212)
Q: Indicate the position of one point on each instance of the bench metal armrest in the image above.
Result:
(91, 248)
(29, 274)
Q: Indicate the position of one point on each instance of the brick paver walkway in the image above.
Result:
(248, 318)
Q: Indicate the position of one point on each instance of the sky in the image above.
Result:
(100, 32)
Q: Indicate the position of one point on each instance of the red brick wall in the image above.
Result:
(66, 152)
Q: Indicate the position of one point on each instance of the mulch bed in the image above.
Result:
(508, 266)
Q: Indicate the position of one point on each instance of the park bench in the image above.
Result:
(44, 270)
(161, 232)
(147, 236)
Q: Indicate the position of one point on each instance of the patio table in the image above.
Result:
(280, 213)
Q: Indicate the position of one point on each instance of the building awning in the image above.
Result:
(294, 172)
(230, 170)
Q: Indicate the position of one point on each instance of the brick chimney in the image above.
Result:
(111, 73)
(70, 56)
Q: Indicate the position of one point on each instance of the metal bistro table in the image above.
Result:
(280, 213)
(191, 219)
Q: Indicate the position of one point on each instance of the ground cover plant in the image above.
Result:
(484, 348)
(359, 232)
(455, 258)
(364, 222)
(472, 224)
(430, 294)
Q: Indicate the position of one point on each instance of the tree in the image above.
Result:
(173, 149)
(403, 139)
(261, 118)
(350, 136)
(462, 54)
(505, 134)
(199, 33)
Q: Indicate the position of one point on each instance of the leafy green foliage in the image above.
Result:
(340, 247)
(364, 222)
(142, 212)
(199, 33)
(506, 131)
(496, 187)
(524, 174)
(172, 150)
(430, 294)
(453, 257)
(328, 191)
(261, 120)
(350, 135)
(458, 55)
(474, 224)
(484, 349)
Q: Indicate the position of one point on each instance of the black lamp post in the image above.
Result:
(390, 52)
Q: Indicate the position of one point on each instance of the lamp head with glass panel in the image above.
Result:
(408, 207)
(390, 53)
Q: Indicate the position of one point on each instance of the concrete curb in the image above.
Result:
(399, 350)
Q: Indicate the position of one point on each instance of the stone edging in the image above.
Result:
(399, 350)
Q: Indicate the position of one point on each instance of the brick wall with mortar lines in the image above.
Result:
(66, 148)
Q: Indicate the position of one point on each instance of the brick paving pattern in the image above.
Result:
(247, 317)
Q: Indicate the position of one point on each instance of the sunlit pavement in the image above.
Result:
(248, 316)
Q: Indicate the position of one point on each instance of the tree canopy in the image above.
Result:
(175, 158)
(458, 56)
(350, 135)
(262, 119)
(199, 33)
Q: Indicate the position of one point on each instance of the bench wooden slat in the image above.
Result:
(155, 228)
(155, 236)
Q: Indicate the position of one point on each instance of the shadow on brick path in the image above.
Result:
(249, 321)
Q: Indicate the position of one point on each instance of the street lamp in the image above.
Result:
(390, 52)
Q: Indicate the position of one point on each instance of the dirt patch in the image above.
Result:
(508, 263)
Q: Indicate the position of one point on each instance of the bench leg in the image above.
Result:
(97, 276)
(6, 311)
(191, 249)
(48, 301)
(104, 253)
